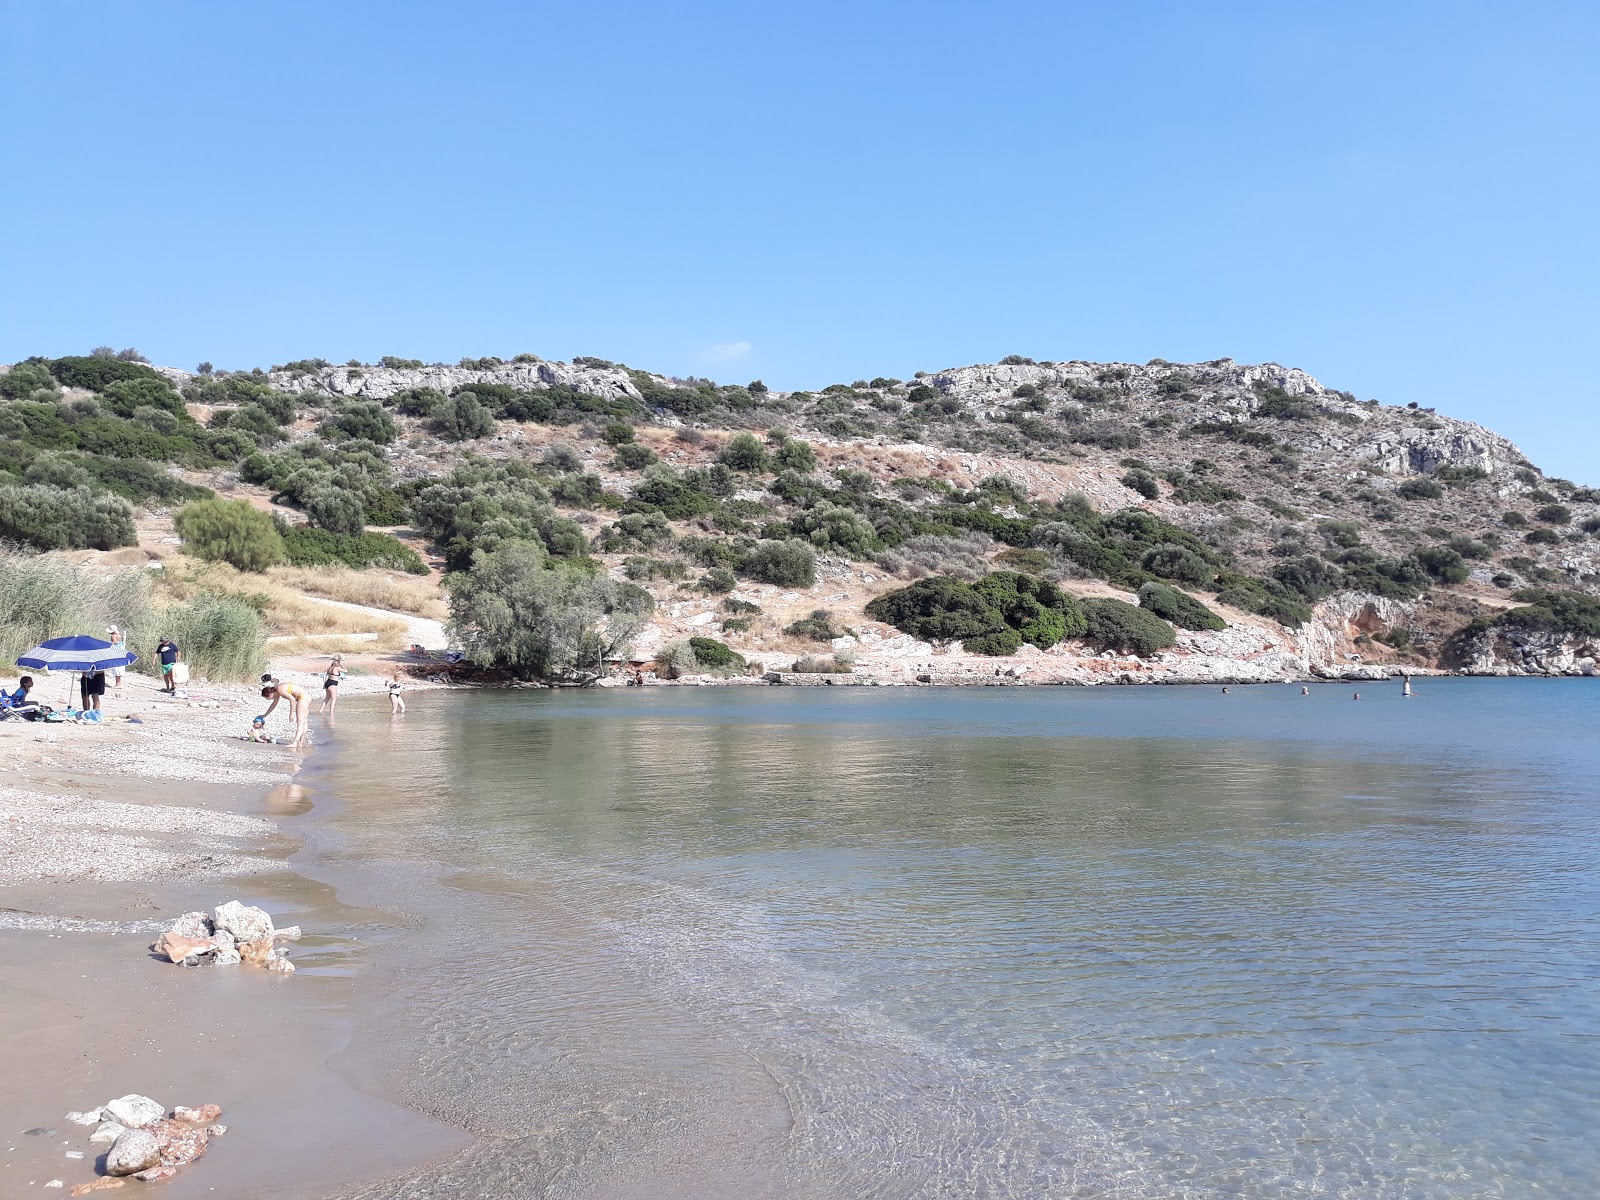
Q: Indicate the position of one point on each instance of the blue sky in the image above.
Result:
(1398, 197)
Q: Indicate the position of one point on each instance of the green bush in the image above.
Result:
(307, 547)
(744, 452)
(834, 527)
(1543, 537)
(631, 456)
(818, 664)
(617, 433)
(125, 397)
(796, 456)
(336, 509)
(717, 581)
(462, 418)
(363, 419)
(75, 518)
(787, 563)
(1117, 626)
(730, 605)
(676, 496)
(1144, 483)
(1178, 607)
(513, 608)
(1553, 514)
(26, 378)
(482, 504)
(820, 626)
(709, 652)
(221, 637)
(1420, 489)
(1444, 564)
(1513, 519)
(230, 531)
(97, 374)
(639, 567)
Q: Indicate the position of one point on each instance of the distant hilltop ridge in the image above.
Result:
(1016, 404)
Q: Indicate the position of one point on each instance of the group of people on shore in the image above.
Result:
(299, 699)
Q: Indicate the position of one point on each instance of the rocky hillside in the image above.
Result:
(1321, 533)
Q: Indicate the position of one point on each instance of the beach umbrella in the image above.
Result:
(79, 654)
(75, 654)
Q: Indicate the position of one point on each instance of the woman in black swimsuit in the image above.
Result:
(330, 684)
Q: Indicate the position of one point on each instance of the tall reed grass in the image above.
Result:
(42, 596)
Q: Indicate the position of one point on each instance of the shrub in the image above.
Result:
(709, 652)
(964, 556)
(230, 531)
(1420, 489)
(635, 531)
(1177, 562)
(744, 452)
(577, 491)
(1553, 514)
(125, 397)
(24, 379)
(832, 526)
(75, 518)
(461, 418)
(1444, 564)
(819, 626)
(938, 609)
(1115, 625)
(796, 456)
(1309, 575)
(400, 364)
(97, 374)
(304, 546)
(1452, 474)
(482, 504)
(817, 664)
(335, 509)
(1513, 520)
(513, 608)
(638, 566)
(787, 563)
(1144, 483)
(717, 581)
(631, 456)
(1180, 608)
(617, 433)
(222, 637)
(364, 419)
(1543, 537)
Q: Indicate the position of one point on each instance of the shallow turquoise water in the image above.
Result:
(1144, 942)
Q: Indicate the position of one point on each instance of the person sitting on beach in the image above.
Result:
(20, 696)
(330, 684)
(396, 704)
(299, 707)
(258, 731)
(168, 654)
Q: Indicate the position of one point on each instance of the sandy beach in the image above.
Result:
(107, 833)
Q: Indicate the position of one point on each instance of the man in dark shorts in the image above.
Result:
(167, 653)
(93, 686)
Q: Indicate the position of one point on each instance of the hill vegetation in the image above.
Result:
(567, 499)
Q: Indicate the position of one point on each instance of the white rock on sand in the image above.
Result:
(136, 1150)
(135, 1111)
(244, 922)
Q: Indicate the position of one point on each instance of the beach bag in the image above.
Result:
(180, 673)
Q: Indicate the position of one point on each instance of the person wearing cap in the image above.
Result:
(115, 636)
(168, 654)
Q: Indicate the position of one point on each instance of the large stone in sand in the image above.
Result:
(177, 947)
(192, 925)
(106, 1133)
(135, 1111)
(247, 924)
(136, 1150)
(177, 1143)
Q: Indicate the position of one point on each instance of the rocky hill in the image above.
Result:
(1323, 533)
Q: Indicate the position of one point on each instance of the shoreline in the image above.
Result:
(109, 832)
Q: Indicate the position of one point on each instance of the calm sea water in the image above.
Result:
(1137, 942)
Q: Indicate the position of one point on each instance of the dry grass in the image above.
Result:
(285, 611)
(374, 589)
(383, 641)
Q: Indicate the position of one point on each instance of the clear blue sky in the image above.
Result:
(1399, 197)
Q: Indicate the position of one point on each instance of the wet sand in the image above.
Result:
(106, 834)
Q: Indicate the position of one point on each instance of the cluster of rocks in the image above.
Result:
(232, 933)
(144, 1141)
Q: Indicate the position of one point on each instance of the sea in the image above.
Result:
(1133, 942)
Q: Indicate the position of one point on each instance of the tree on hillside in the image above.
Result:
(516, 608)
(230, 531)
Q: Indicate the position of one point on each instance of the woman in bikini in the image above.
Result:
(330, 684)
(299, 706)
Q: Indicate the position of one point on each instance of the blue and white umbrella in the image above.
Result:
(82, 654)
